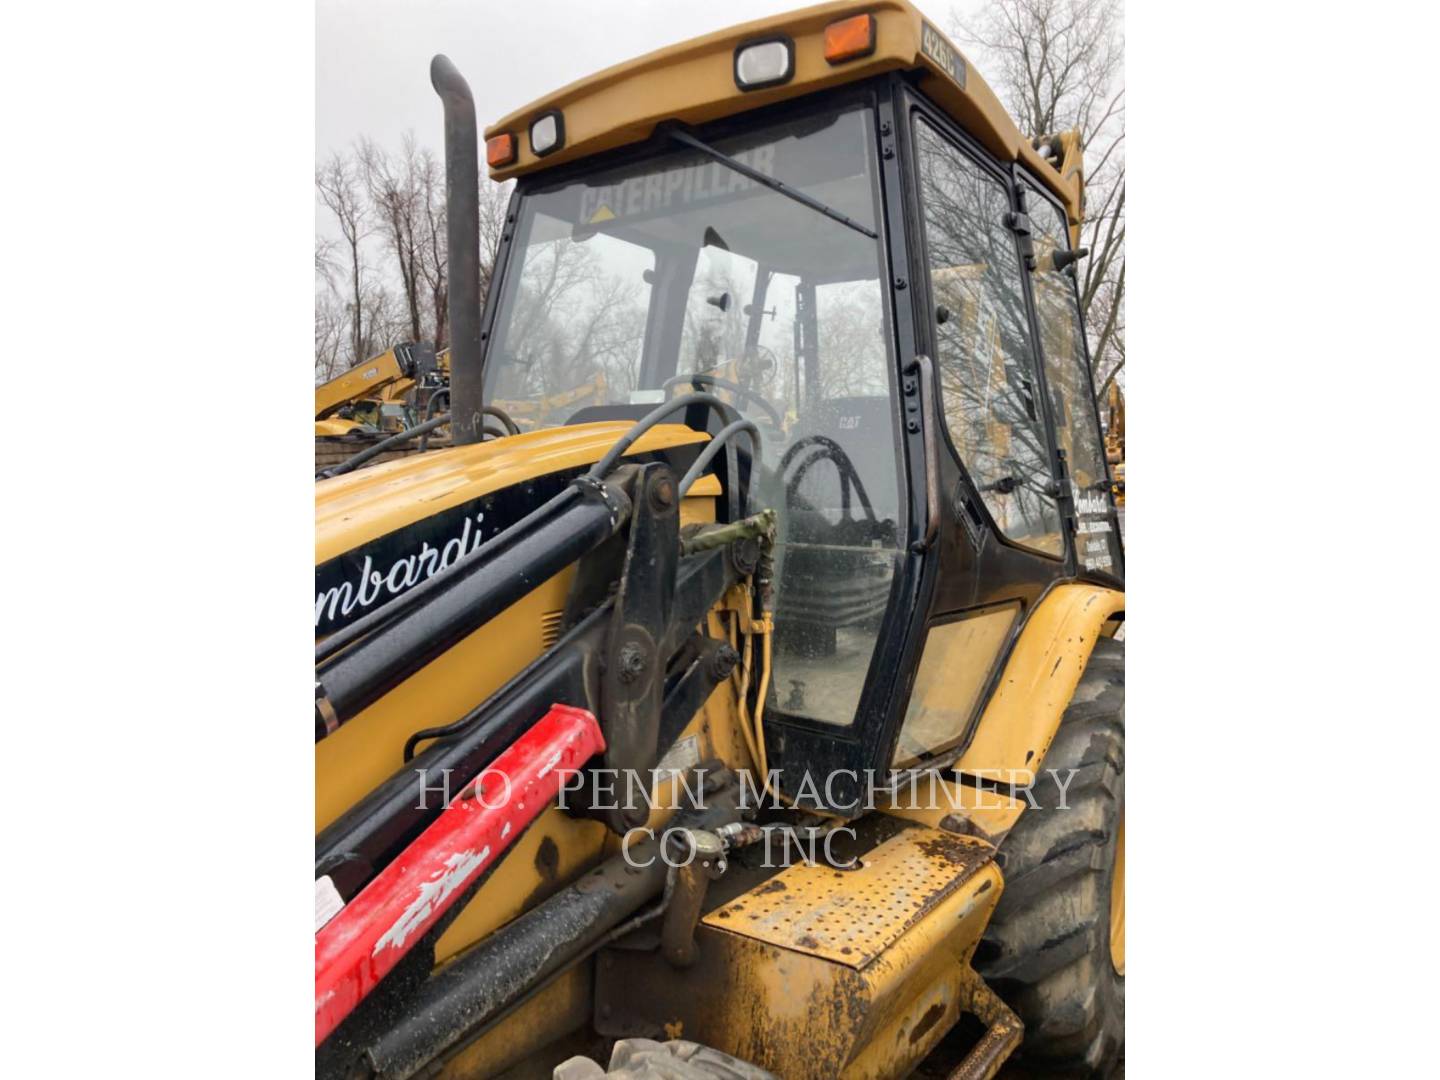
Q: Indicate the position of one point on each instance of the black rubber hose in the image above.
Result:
(511, 428)
(722, 437)
(350, 464)
(827, 450)
(602, 467)
(443, 392)
(431, 588)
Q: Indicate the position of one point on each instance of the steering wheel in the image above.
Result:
(700, 378)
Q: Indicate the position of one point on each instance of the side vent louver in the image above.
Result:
(550, 627)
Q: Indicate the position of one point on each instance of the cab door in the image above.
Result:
(1003, 530)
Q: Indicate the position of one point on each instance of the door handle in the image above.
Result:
(923, 371)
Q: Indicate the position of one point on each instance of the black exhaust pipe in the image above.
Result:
(462, 220)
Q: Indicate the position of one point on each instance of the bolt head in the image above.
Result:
(632, 662)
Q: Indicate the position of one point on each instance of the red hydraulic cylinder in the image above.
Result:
(368, 936)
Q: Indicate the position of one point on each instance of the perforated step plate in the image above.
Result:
(851, 916)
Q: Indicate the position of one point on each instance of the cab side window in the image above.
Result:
(1067, 373)
(984, 356)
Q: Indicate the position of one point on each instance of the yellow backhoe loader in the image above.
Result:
(758, 711)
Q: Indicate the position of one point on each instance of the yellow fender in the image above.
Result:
(1020, 721)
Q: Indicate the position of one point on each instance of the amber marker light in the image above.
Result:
(500, 150)
(850, 38)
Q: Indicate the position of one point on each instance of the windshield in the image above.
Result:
(632, 279)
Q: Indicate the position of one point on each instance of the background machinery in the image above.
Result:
(382, 394)
(757, 710)
(1115, 438)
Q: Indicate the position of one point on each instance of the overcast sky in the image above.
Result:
(372, 64)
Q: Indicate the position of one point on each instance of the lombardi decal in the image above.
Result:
(372, 586)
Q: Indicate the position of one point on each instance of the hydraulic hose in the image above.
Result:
(718, 443)
(443, 392)
(350, 464)
(511, 428)
(649, 420)
(432, 587)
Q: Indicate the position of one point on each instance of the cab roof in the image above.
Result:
(694, 82)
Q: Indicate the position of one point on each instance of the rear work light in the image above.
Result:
(850, 38)
(759, 64)
(500, 150)
(547, 134)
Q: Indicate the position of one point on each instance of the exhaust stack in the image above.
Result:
(462, 222)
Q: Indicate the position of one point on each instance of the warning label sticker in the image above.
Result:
(327, 901)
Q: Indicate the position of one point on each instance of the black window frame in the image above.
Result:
(1024, 179)
(919, 107)
(797, 745)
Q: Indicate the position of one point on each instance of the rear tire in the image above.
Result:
(1047, 948)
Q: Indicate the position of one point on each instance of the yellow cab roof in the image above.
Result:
(694, 82)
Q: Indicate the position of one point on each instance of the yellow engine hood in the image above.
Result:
(358, 507)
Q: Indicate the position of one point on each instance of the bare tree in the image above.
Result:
(339, 189)
(331, 331)
(433, 250)
(385, 319)
(395, 187)
(400, 289)
(1059, 65)
(494, 201)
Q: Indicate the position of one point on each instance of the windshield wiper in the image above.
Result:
(770, 182)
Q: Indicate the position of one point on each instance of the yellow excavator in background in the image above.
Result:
(759, 711)
(380, 394)
(1115, 438)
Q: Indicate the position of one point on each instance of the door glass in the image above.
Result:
(1067, 372)
(625, 281)
(983, 351)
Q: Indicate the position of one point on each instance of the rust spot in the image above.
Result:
(726, 914)
(846, 949)
(1056, 668)
(808, 942)
(954, 850)
(925, 1023)
(984, 887)
(1028, 755)
(774, 885)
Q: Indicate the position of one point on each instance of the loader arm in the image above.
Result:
(379, 377)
